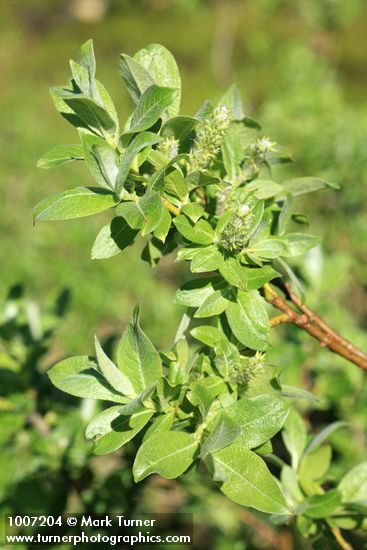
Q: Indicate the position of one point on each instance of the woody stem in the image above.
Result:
(311, 322)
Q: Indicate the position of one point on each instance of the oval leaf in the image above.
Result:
(249, 320)
(75, 203)
(168, 454)
(79, 376)
(246, 480)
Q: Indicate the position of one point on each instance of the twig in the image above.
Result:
(309, 321)
(340, 539)
(175, 211)
(278, 320)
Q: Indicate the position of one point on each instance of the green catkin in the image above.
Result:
(248, 368)
(209, 137)
(169, 147)
(236, 232)
(258, 153)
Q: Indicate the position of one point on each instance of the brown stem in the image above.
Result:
(309, 321)
(310, 314)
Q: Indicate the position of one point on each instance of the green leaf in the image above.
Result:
(139, 403)
(246, 278)
(323, 506)
(152, 207)
(135, 76)
(206, 259)
(200, 179)
(175, 184)
(89, 142)
(296, 393)
(193, 210)
(145, 139)
(200, 233)
(224, 433)
(259, 418)
(84, 73)
(180, 128)
(107, 102)
(74, 203)
(227, 357)
(168, 454)
(353, 486)
(300, 186)
(299, 243)
(247, 481)
(232, 100)
(163, 227)
(264, 189)
(214, 304)
(315, 465)
(207, 334)
(201, 397)
(161, 65)
(110, 430)
(295, 437)
(324, 434)
(137, 358)
(96, 117)
(112, 239)
(233, 272)
(86, 58)
(268, 249)
(205, 110)
(79, 376)
(195, 292)
(82, 80)
(285, 214)
(214, 386)
(111, 373)
(232, 152)
(146, 214)
(106, 160)
(290, 484)
(288, 274)
(150, 107)
(131, 212)
(249, 320)
(60, 155)
(162, 423)
(258, 276)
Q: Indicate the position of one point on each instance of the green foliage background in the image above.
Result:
(300, 66)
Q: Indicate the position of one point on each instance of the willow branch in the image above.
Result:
(311, 322)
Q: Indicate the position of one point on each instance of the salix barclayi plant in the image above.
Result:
(202, 186)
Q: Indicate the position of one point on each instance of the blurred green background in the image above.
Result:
(301, 66)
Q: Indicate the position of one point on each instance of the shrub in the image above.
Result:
(201, 186)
